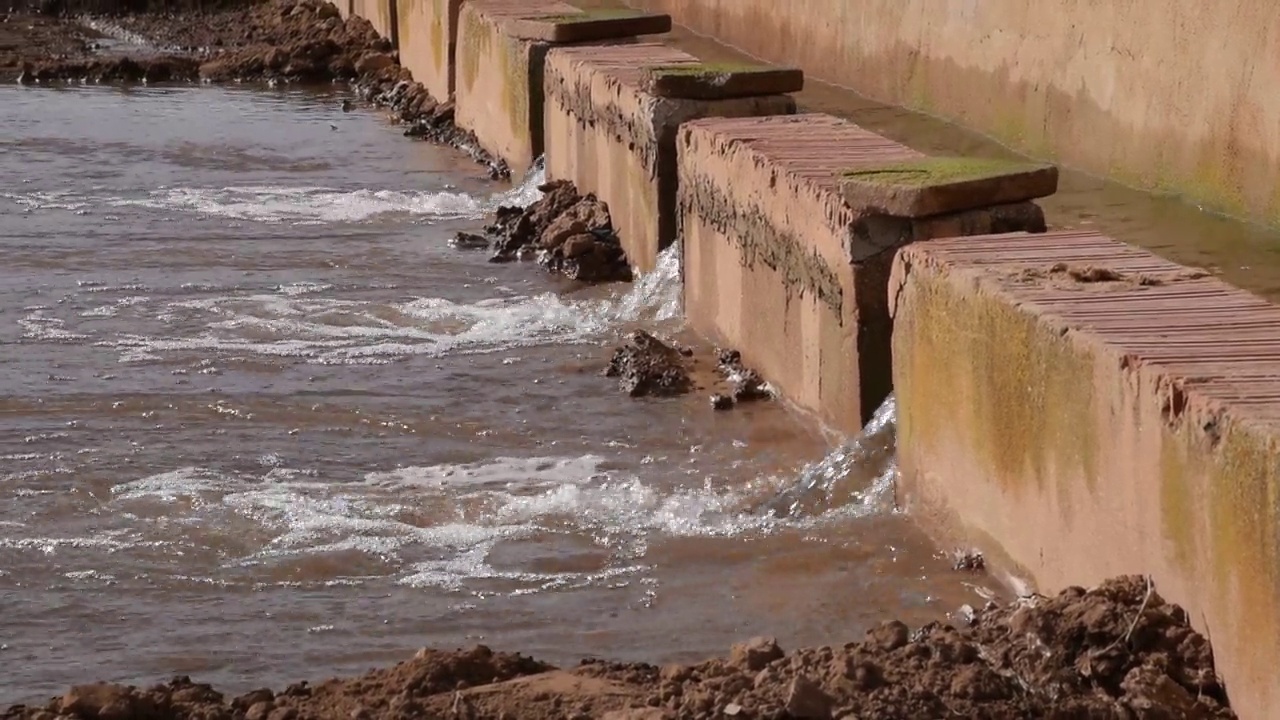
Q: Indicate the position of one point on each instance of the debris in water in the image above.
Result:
(569, 233)
(746, 383)
(969, 560)
(646, 366)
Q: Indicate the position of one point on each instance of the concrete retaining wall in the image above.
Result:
(501, 51)
(612, 138)
(1192, 107)
(780, 267)
(380, 13)
(1091, 410)
(427, 33)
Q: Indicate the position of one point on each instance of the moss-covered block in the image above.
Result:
(718, 81)
(932, 186)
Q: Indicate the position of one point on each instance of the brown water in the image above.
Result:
(259, 422)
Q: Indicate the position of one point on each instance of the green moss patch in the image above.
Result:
(939, 171)
(707, 70)
(590, 16)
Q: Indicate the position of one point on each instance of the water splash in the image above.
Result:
(857, 477)
(297, 205)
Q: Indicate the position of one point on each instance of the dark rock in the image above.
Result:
(720, 401)
(470, 241)
(645, 366)
(746, 384)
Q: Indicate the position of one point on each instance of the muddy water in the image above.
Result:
(259, 422)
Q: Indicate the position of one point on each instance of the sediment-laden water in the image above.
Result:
(259, 422)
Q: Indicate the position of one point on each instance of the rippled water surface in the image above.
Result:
(259, 422)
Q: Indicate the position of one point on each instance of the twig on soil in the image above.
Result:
(1141, 609)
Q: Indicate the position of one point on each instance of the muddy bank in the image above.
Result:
(283, 41)
(1117, 651)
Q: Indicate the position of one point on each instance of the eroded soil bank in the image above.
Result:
(1116, 651)
(283, 41)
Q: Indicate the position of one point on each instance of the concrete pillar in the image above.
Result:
(1079, 408)
(609, 130)
(779, 265)
(501, 48)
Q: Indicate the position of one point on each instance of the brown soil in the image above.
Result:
(1117, 651)
(281, 41)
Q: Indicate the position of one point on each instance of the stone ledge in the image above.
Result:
(587, 26)
(709, 81)
(935, 185)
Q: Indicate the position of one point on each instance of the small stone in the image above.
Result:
(732, 709)
(374, 62)
(755, 653)
(260, 711)
(720, 401)
(807, 701)
(890, 635)
(578, 246)
(283, 713)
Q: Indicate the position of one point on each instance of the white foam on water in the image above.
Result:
(313, 205)
(438, 525)
(305, 205)
(296, 322)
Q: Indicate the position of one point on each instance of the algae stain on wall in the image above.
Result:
(474, 43)
(439, 43)
(992, 378)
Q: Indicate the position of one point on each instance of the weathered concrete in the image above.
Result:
(380, 13)
(499, 84)
(428, 36)
(719, 82)
(1191, 109)
(612, 139)
(777, 265)
(1093, 410)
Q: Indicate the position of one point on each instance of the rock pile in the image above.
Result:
(647, 367)
(1117, 651)
(567, 232)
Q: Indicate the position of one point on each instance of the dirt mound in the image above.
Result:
(1117, 651)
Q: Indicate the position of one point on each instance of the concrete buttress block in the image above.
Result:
(1079, 408)
(778, 265)
(610, 136)
(428, 34)
(501, 49)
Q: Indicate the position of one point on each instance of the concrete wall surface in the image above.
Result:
(1178, 95)
(427, 36)
(778, 266)
(498, 90)
(611, 138)
(379, 13)
(1090, 410)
